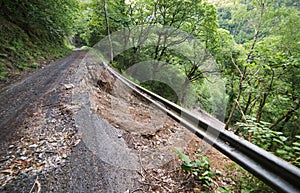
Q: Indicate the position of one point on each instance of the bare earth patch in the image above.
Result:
(152, 135)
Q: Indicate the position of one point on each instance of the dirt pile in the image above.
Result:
(84, 131)
(143, 130)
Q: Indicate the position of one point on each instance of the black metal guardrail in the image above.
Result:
(277, 173)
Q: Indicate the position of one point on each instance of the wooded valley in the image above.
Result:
(255, 45)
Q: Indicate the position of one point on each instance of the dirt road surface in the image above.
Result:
(72, 127)
(34, 119)
(20, 98)
(41, 146)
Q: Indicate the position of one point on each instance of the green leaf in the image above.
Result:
(278, 141)
(3, 55)
(281, 152)
(287, 148)
(186, 167)
(296, 148)
(184, 157)
(296, 144)
(282, 138)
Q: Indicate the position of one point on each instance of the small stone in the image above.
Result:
(41, 155)
(4, 159)
(24, 150)
(69, 86)
(219, 173)
(23, 158)
(33, 146)
(57, 159)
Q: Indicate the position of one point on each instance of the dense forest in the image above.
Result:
(34, 32)
(255, 45)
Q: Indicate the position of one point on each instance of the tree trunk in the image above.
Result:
(249, 101)
(264, 99)
(237, 98)
(260, 108)
(285, 115)
(111, 55)
(243, 74)
(286, 120)
(183, 91)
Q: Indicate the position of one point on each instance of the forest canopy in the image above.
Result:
(254, 44)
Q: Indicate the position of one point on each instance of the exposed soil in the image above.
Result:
(72, 127)
(150, 134)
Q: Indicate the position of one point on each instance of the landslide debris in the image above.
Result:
(147, 132)
(90, 133)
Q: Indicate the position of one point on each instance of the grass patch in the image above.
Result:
(23, 66)
(3, 74)
(34, 65)
(85, 48)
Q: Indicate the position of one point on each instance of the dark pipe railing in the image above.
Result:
(277, 173)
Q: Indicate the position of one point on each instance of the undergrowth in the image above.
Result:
(276, 142)
(241, 181)
(245, 182)
(19, 51)
(199, 169)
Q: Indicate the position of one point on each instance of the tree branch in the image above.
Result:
(288, 113)
(243, 75)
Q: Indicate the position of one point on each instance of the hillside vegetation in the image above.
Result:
(254, 46)
(33, 32)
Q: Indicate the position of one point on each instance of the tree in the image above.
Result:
(45, 20)
(243, 72)
(111, 55)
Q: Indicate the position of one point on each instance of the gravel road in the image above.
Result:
(17, 100)
(37, 111)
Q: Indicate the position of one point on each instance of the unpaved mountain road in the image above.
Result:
(17, 100)
(93, 135)
(40, 146)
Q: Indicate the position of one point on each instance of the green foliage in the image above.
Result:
(3, 73)
(270, 89)
(34, 65)
(22, 66)
(245, 182)
(34, 30)
(44, 20)
(85, 48)
(200, 169)
(157, 87)
(272, 141)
